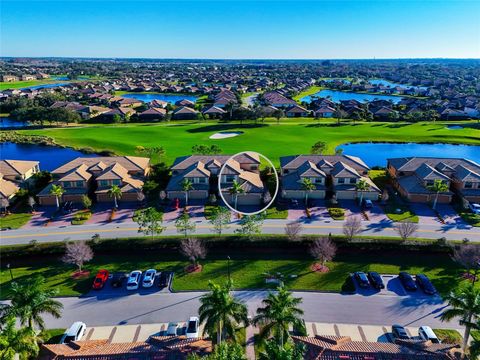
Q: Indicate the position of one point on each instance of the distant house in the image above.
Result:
(158, 103)
(276, 99)
(9, 78)
(296, 111)
(82, 176)
(214, 111)
(27, 77)
(184, 113)
(122, 112)
(324, 112)
(185, 102)
(15, 174)
(153, 114)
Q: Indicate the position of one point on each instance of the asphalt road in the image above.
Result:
(130, 229)
(104, 309)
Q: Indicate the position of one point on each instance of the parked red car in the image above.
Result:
(100, 279)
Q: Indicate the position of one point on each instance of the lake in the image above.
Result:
(391, 84)
(376, 154)
(50, 157)
(337, 96)
(171, 98)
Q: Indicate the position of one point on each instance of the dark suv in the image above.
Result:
(376, 280)
(424, 283)
(407, 281)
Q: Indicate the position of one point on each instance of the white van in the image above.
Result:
(74, 332)
(426, 333)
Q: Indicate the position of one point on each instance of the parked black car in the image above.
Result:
(164, 279)
(424, 283)
(361, 279)
(117, 279)
(399, 332)
(407, 281)
(376, 280)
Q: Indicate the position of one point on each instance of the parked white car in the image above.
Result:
(74, 332)
(172, 329)
(426, 333)
(475, 208)
(134, 280)
(149, 278)
(192, 328)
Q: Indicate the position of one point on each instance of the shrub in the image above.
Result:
(336, 213)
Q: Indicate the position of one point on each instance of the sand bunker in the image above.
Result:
(225, 134)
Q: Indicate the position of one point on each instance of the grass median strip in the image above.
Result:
(248, 268)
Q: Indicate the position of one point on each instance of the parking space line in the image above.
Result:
(89, 335)
(362, 334)
(112, 334)
(137, 332)
(337, 331)
(314, 327)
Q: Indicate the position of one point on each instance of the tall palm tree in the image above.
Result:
(186, 187)
(474, 348)
(17, 341)
(464, 303)
(116, 193)
(280, 311)
(362, 186)
(235, 190)
(29, 301)
(307, 186)
(221, 312)
(437, 187)
(57, 191)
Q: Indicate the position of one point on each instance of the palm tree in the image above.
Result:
(186, 187)
(362, 186)
(57, 191)
(474, 348)
(280, 311)
(464, 302)
(17, 341)
(437, 187)
(288, 351)
(221, 312)
(235, 190)
(116, 193)
(29, 301)
(307, 186)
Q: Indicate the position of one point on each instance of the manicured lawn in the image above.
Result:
(248, 268)
(275, 212)
(23, 84)
(268, 139)
(14, 221)
(399, 212)
(449, 336)
(310, 91)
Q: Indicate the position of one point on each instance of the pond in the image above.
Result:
(6, 122)
(376, 154)
(50, 157)
(392, 84)
(45, 86)
(337, 96)
(171, 98)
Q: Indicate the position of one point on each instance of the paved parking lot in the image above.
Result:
(370, 333)
(108, 291)
(131, 333)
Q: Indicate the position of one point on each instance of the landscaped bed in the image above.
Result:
(248, 267)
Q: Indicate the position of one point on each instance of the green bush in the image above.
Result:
(336, 213)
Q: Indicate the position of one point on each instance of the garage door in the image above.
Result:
(346, 195)
(198, 194)
(249, 199)
(372, 195)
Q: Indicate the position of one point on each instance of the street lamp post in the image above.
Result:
(228, 269)
(9, 268)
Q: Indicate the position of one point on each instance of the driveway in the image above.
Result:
(101, 213)
(374, 214)
(425, 214)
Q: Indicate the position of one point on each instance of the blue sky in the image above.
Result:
(241, 29)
